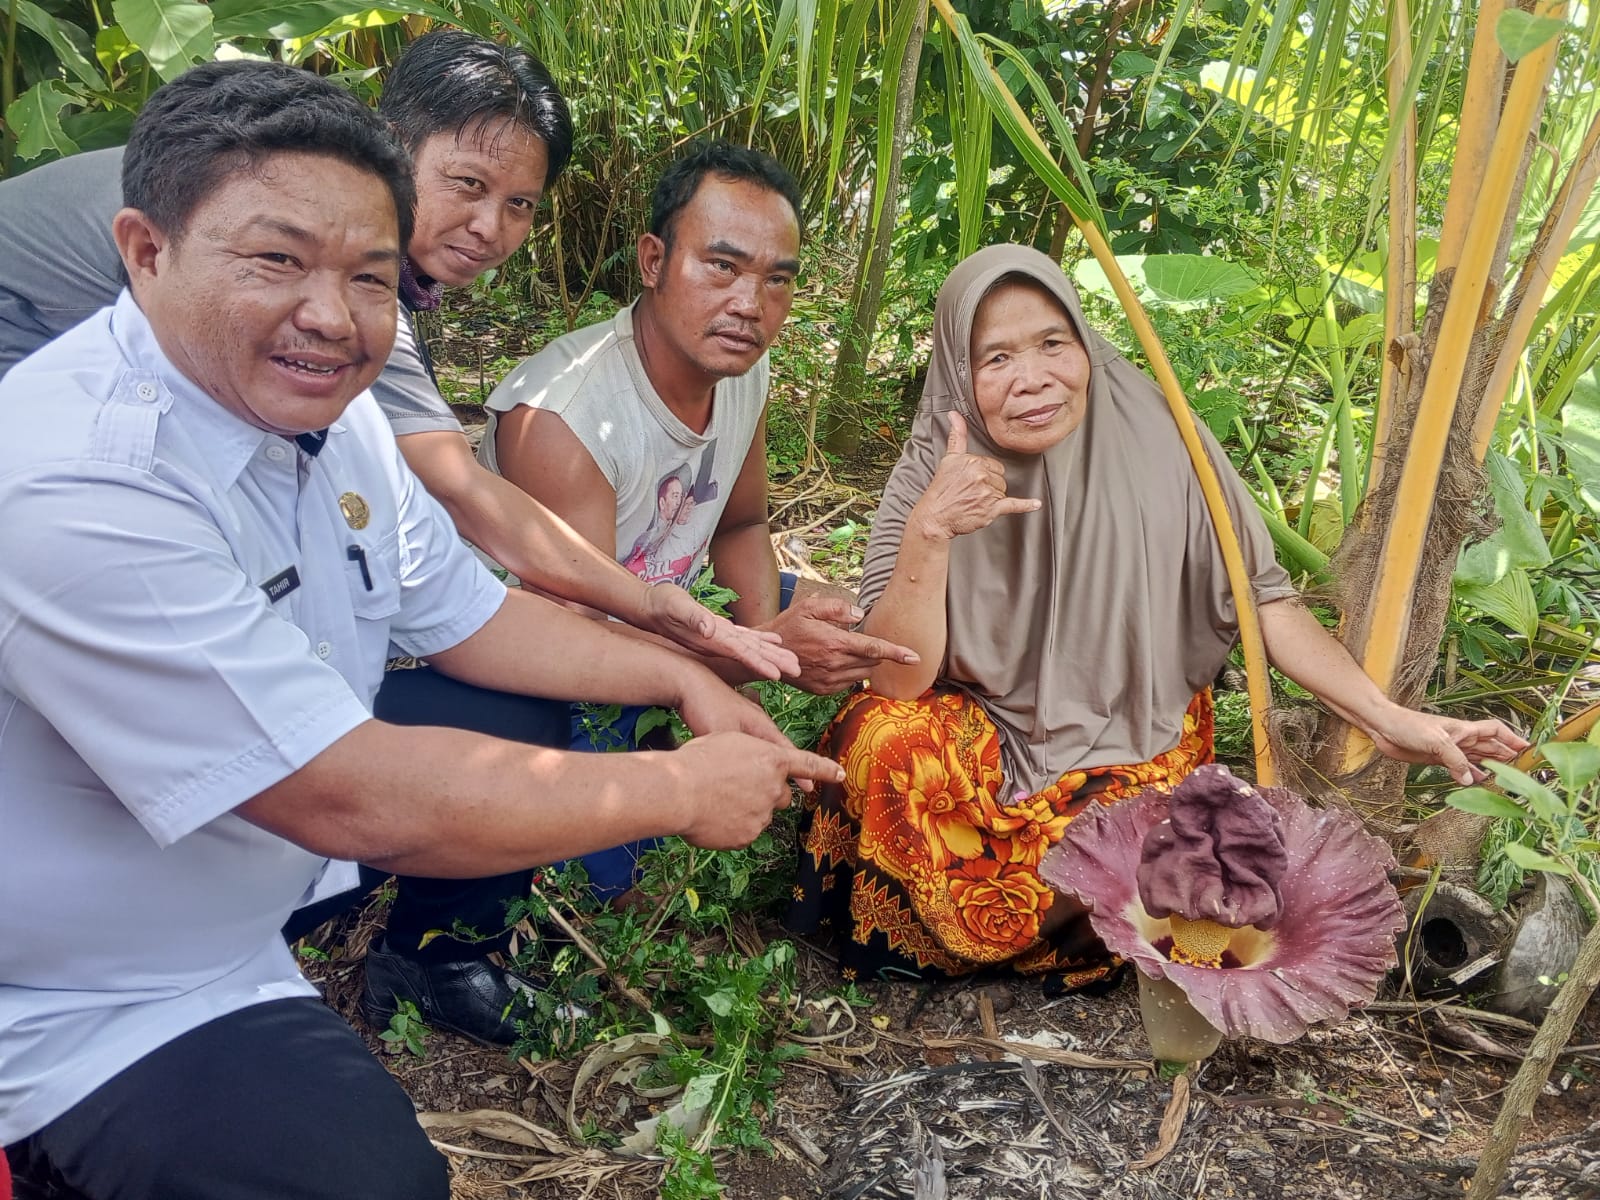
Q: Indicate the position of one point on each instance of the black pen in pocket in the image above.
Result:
(357, 555)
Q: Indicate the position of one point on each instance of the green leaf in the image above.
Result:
(1509, 600)
(1578, 763)
(1519, 542)
(1486, 804)
(1580, 430)
(1531, 860)
(174, 34)
(720, 1001)
(35, 118)
(99, 128)
(1090, 276)
(1195, 279)
(111, 46)
(1520, 33)
(54, 31)
(301, 18)
(700, 1091)
(1130, 64)
(1545, 803)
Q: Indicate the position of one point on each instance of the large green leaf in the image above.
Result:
(288, 19)
(1091, 277)
(1580, 427)
(1176, 280)
(1521, 33)
(1545, 803)
(1532, 860)
(1509, 600)
(54, 31)
(1578, 763)
(35, 118)
(174, 34)
(1519, 542)
(1188, 279)
(1485, 803)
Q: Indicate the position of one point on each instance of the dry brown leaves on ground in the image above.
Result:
(917, 1100)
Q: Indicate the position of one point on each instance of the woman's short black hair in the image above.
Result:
(221, 117)
(726, 160)
(450, 81)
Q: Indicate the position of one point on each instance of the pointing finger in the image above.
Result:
(878, 650)
(802, 764)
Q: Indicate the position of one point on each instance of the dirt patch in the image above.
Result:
(1392, 1103)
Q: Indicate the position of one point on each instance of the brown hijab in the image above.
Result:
(1084, 629)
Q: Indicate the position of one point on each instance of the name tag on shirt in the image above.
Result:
(281, 584)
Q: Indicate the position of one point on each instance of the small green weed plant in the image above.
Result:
(726, 1013)
(407, 1031)
(1549, 826)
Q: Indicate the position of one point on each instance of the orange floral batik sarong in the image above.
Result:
(924, 870)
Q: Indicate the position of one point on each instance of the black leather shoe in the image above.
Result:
(475, 998)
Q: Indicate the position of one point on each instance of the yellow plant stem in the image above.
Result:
(1565, 212)
(1389, 620)
(1255, 655)
(1400, 282)
(1570, 730)
(1480, 101)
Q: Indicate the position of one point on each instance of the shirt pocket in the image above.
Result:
(372, 572)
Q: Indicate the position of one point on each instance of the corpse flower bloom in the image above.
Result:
(1266, 914)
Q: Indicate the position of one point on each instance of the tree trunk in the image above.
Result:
(1530, 1078)
(1344, 767)
(843, 426)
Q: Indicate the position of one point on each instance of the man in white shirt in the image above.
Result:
(489, 134)
(210, 542)
(599, 423)
(647, 432)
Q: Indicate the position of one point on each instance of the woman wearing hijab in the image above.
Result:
(1044, 546)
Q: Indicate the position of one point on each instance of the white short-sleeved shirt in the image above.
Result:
(184, 621)
(671, 483)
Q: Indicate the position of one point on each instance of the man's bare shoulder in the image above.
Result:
(572, 370)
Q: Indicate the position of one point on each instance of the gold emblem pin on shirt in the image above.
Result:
(355, 510)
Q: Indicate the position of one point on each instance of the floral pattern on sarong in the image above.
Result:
(942, 871)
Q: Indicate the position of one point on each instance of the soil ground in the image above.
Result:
(1393, 1103)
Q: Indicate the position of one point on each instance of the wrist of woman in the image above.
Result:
(928, 529)
(1375, 718)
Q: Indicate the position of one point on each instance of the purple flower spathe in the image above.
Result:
(1332, 943)
(1218, 855)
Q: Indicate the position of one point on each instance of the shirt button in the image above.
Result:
(277, 453)
(324, 649)
(146, 392)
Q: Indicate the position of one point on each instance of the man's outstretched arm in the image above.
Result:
(537, 546)
(819, 629)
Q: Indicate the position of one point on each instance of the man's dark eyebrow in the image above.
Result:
(295, 233)
(989, 347)
(788, 266)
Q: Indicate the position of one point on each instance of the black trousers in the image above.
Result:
(277, 1100)
(425, 697)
